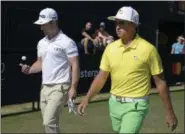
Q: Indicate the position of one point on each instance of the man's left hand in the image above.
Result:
(72, 93)
(171, 121)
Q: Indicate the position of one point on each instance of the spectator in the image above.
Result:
(88, 37)
(177, 48)
(103, 36)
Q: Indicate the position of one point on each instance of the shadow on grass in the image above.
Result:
(38, 109)
(77, 103)
(19, 113)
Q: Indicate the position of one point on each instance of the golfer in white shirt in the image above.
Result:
(58, 61)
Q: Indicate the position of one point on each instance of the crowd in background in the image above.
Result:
(93, 41)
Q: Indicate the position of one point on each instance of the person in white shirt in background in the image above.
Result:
(58, 61)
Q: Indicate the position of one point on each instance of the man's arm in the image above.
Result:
(97, 84)
(163, 90)
(75, 71)
(101, 35)
(171, 119)
(87, 36)
(95, 87)
(172, 51)
(36, 66)
(156, 70)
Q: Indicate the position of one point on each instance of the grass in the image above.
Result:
(97, 119)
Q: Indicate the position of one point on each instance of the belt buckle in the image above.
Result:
(123, 100)
(118, 99)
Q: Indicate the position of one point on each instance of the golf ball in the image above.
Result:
(23, 58)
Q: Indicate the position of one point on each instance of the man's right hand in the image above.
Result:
(25, 68)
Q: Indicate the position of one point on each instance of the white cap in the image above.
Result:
(46, 15)
(127, 14)
(102, 24)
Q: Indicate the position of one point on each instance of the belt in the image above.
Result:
(128, 99)
(63, 85)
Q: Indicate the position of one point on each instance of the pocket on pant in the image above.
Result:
(142, 105)
(111, 103)
(114, 108)
(64, 88)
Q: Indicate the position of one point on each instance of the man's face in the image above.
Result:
(180, 40)
(88, 26)
(124, 28)
(47, 28)
(102, 28)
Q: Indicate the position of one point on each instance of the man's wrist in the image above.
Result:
(87, 98)
(170, 112)
(30, 71)
(73, 86)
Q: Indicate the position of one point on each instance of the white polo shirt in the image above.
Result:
(54, 54)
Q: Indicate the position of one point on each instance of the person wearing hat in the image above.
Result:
(130, 61)
(103, 36)
(57, 54)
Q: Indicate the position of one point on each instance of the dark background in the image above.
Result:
(20, 34)
(20, 37)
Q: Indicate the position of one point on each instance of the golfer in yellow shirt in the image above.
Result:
(130, 61)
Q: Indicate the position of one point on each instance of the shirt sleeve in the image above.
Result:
(155, 62)
(105, 64)
(38, 50)
(71, 49)
(173, 46)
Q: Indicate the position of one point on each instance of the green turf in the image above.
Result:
(97, 119)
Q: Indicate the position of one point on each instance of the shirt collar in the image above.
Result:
(57, 37)
(133, 43)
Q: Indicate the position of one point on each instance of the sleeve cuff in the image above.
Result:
(104, 69)
(156, 73)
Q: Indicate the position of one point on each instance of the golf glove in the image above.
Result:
(71, 106)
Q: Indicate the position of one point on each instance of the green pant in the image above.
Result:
(127, 117)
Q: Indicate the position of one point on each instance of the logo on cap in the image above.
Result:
(134, 19)
(120, 11)
(42, 16)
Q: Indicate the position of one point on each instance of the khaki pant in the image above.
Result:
(52, 100)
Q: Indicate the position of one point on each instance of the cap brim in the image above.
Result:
(111, 18)
(41, 22)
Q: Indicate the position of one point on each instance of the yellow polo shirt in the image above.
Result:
(131, 68)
